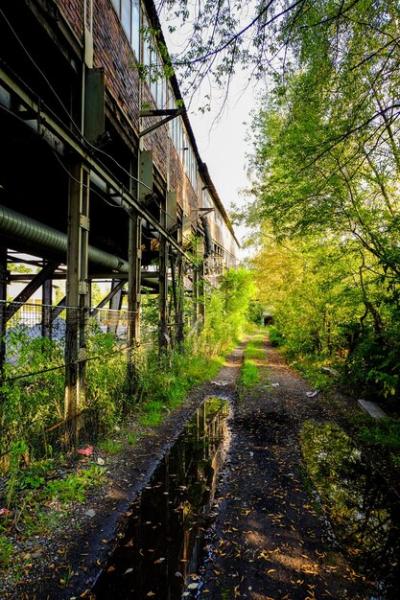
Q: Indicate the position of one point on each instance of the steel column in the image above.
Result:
(195, 295)
(3, 306)
(202, 293)
(47, 299)
(77, 299)
(181, 297)
(164, 339)
(115, 305)
(134, 279)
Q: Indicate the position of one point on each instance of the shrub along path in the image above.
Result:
(268, 541)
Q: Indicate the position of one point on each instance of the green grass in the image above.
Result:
(110, 446)
(166, 388)
(254, 350)
(132, 438)
(6, 551)
(73, 488)
(249, 374)
(154, 413)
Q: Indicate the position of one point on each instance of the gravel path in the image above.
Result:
(269, 541)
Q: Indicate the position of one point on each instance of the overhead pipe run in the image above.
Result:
(19, 226)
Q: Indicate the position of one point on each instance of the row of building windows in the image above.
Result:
(136, 27)
(130, 16)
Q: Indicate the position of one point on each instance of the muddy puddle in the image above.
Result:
(362, 509)
(158, 553)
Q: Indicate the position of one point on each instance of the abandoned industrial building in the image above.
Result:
(106, 208)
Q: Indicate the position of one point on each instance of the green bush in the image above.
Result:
(106, 379)
(29, 406)
(384, 432)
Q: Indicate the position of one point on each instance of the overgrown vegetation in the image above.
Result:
(326, 171)
(40, 484)
(32, 407)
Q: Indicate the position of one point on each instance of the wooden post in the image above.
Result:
(77, 299)
(3, 306)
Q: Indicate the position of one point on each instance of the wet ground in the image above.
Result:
(270, 540)
(254, 493)
(162, 542)
(67, 563)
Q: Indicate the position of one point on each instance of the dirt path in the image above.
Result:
(268, 541)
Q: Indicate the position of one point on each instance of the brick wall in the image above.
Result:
(113, 53)
(73, 13)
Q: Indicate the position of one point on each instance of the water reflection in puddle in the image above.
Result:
(162, 541)
(363, 510)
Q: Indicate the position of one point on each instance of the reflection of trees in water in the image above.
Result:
(363, 510)
(161, 542)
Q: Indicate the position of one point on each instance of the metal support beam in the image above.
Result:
(177, 295)
(195, 296)
(202, 292)
(77, 300)
(115, 305)
(164, 339)
(3, 306)
(30, 289)
(180, 312)
(151, 128)
(47, 299)
(57, 310)
(77, 145)
(118, 285)
(134, 280)
(145, 276)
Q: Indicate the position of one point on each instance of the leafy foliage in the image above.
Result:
(326, 167)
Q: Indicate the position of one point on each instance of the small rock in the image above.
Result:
(90, 513)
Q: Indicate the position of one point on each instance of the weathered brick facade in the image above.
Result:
(126, 93)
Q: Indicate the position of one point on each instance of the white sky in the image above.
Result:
(221, 138)
(223, 146)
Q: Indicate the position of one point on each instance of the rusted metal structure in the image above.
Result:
(100, 175)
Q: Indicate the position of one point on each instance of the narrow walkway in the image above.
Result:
(268, 541)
